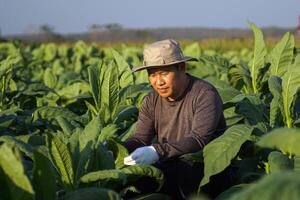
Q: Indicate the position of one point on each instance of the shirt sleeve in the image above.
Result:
(208, 110)
(145, 130)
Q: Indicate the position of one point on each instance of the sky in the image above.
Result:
(75, 16)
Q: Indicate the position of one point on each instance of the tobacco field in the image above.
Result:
(66, 109)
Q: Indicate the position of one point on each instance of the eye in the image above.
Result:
(152, 75)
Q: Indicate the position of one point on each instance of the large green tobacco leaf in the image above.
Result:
(219, 153)
(43, 177)
(110, 88)
(105, 175)
(290, 86)
(125, 74)
(50, 79)
(61, 158)
(282, 55)
(14, 183)
(240, 78)
(250, 106)
(94, 73)
(92, 193)
(7, 65)
(129, 132)
(50, 113)
(23, 147)
(134, 172)
(119, 152)
(258, 61)
(219, 64)
(66, 126)
(107, 132)
(90, 132)
(127, 114)
(276, 105)
(133, 91)
(228, 93)
(278, 186)
(192, 50)
(104, 158)
(285, 139)
(279, 162)
(85, 161)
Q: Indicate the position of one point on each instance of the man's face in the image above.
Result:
(166, 80)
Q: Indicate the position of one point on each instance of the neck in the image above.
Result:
(185, 82)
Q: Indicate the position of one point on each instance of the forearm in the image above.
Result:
(132, 143)
(186, 145)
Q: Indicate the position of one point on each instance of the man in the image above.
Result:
(183, 112)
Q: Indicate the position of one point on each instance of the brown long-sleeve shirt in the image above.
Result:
(182, 126)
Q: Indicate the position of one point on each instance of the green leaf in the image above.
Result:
(282, 55)
(119, 151)
(86, 159)
(24, 147)
(13, 180)
(219, 152)
(129, 113)
(192, 50)
(61, 158)
(285, 139)
(73, 146)
(109, 131)
(276, 186)
(228, 93)
(92, 109)
(104, 175)
(50, 79)
(290, 86)
(92, 194)
(297, 163)
(48, 112)
(90, 132)
(110, 88)
(278, 162)
(66, 126)
(125, 74)
(129, 132)
(276, 105)
(104, 158)
(259, 54)
(134, 172)
(239, 77)
(7, 65)
(43, 177)
(94, 83)
(251, 107)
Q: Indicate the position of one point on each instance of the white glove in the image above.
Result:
(143, 155)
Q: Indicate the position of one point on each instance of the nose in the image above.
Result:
(160, 81)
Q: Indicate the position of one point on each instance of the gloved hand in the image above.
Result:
(142, 155)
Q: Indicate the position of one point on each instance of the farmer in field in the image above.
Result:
(183, 112)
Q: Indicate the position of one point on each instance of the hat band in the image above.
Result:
(163, 61)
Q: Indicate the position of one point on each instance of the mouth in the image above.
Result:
(162, 90)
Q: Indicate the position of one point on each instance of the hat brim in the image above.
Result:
(185, 59)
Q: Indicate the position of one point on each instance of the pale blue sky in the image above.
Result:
(70, 16)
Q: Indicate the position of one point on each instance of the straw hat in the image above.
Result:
(162, 53)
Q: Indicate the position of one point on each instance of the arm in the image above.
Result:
(144, 131)
(207, 114)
